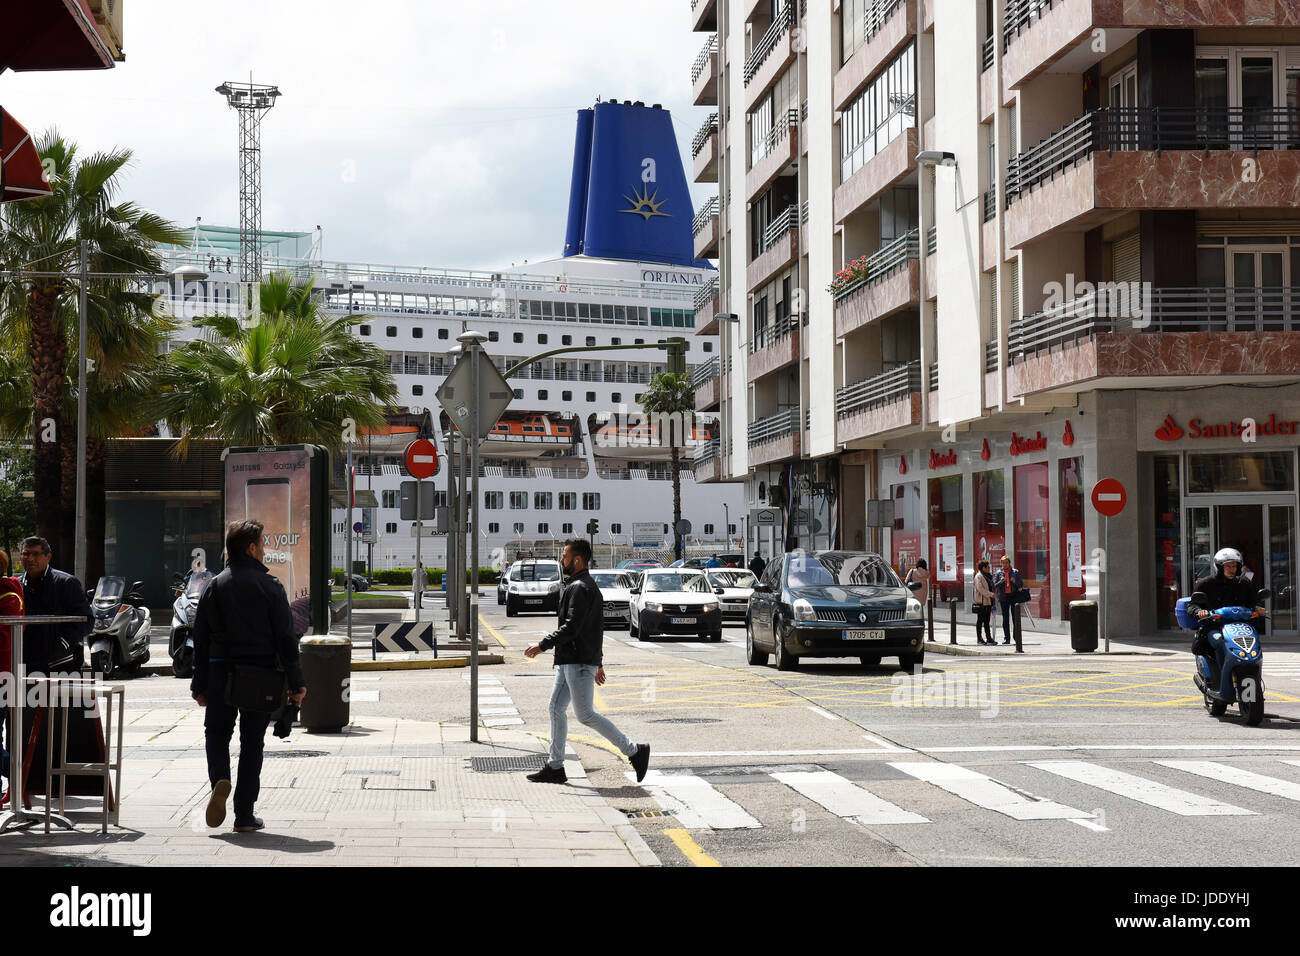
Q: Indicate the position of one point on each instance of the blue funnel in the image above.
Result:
(628, 198)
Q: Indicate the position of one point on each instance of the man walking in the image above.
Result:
(419, 581)
(758, 565)
(577, 642)
(242, 618)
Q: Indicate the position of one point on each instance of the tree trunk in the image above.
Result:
(65, 552)
(96, 507)
(49, 352)
(677, 505)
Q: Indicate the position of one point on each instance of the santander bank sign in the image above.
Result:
(1246, 429)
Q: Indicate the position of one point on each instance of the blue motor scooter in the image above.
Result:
(1238, 654)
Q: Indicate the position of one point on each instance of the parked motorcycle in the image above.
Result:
(1238, 654)
(119, 637)
(180, 642)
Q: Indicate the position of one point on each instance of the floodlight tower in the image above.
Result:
(252, 101)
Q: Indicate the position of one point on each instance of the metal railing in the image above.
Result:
(933, 377)
(786, 222)
(773, 426)
(779, 132)
(932, 240)
(702, 135)
(1021, 14)
(704, 58)
(707, 451)
(991, 356)
(1121, 309)
(990, 204)
(1116, 128)
(891, 386)
(885, 260)
(803, 211)
(761, 50)
(768, 335)
(707, 212)
(709, 370)
(986, 60)
(703, 296)
(875, 15)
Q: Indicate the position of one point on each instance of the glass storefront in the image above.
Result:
(1073, 545)
(946, 543)
(1168, 540)
(1033, 535)
(149, 539)
(988, 491)
(906, 535)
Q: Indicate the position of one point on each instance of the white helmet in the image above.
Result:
(1224, 555)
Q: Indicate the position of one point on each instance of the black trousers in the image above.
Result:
(219, 727)
(984, 622)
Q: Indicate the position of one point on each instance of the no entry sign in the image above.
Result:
(1109, 497)
(421, 458)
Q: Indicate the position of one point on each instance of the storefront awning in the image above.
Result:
(51, 35)
(21, 173)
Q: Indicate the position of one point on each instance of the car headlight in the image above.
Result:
(710, 607)
(803, 611)
(554, 587)
(914, 612)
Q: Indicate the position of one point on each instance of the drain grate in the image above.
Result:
(505, 764)
(686, 720)
(294, 753)
(365, 785)
(372, 773)
(647, 814)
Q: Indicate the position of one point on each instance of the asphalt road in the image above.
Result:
(1012, 760)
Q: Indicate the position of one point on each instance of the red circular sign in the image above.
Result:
(1109, 497)
(421, 458)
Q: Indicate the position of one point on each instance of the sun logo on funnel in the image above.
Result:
(644, 204)
(1169, 430)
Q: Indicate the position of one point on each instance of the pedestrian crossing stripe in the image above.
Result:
(695, 803)
(1237, 776)
(1140, 789)
(406, 637)
(976, 788)
(846, 799)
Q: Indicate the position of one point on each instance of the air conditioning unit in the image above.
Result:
(108, 20)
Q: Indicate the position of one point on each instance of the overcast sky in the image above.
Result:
(417, 132)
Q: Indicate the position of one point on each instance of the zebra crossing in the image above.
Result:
(698, 804)
(495, 708)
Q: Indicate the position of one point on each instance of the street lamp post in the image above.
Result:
(473, 341)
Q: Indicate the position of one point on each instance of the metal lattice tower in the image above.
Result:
(252, 101)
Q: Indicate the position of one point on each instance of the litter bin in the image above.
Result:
(326, 669)
(1083, 625)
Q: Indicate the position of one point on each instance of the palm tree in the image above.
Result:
(289, 376)
(671, 399)
(44, 235)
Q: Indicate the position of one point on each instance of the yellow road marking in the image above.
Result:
(491, 630)
(597, 742)
(690, 849)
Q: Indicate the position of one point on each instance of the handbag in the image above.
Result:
(1021, 596)
(260, 689)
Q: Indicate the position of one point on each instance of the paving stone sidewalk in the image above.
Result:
(382, 792)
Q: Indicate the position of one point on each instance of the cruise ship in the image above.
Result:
(572, 446)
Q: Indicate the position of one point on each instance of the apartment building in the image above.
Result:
(975, 255)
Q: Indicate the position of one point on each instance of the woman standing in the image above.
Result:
(920, 573)
(1007, 585)
(984, 605)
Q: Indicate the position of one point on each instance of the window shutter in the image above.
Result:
(1126, 259)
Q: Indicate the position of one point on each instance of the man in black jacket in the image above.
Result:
(242, 618)
(577, 642)
(1227, 587)
(758, 565)
(52, 648)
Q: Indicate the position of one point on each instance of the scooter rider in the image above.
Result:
(1227, 587)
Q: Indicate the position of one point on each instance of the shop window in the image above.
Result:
(1073, 547)
(988, 492)
(946, 544)
(1256, 471)
(906, 535)
(1033, 534)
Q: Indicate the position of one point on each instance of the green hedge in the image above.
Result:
(402, 576)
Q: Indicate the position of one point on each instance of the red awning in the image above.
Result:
(51, 35)
(21, 173)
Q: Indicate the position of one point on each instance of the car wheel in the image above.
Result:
(500, 598)
(870, 660)
(754, 655)
(510, 608)
(908, 661)
(716, 637)
(632, 629)
(785, 661)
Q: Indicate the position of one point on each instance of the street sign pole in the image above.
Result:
(453, 606)
(473, 561)
(347, 543)
(417, 586)
(1105, 585)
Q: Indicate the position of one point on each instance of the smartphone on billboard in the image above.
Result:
(270, 501)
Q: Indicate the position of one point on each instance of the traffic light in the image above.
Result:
(676, 356)
(593, 527)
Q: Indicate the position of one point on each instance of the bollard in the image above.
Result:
(930, 615)
(952, 620)
(1015, 626)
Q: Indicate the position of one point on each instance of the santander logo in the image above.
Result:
(985, 454)
(1021, 445)
(942, 461)
(902, 464)
(1068, 438)
(1169, 430)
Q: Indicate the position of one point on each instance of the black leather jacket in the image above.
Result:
(581, 632)
(1222, 591)
(243, 615)
(54, 648)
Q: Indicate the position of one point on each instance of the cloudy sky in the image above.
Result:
(418, 132)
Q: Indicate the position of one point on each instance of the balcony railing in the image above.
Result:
(771, 334)
(707, 451)
(1120, 309)
(875, 15)
(885, 260)
(779, 131)
(703, 296)
(703, 59)
(702, 136)
(707, 212)
(932, 240)
(990, 204)
(1126, 128)
(709, 370)
(933, 377)
(774, 426)
(803, 211)
(891, 386)
(986, 61)
(1020, 15)
(780, 24)
(991, 356)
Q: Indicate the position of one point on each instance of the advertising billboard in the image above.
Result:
(647, 534)
(285, 488)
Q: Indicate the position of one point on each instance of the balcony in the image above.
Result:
(704, 75)
(932, 383)
(704, 149)
(773, 347)
(706, 308)
(1038, 34)
(991, 374)
(770, 157)
(704, 16)
(1152, 158)
(707, 382)
(708, 461)
(1110, 337)
(773, 52)
(775, 438)
(882, 403)
(894, 162)
(887, 280)
(705, 227)
(778, 248)
(888, 25)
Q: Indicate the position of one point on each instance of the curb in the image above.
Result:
(430, 664)
(958, 650)
(624, 830)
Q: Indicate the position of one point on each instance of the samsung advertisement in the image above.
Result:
(285, 488)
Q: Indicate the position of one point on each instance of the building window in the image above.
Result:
(365, 330)
(541, 338)
(518, 337)
(494, 336)
(494, 528)
(1033, 534)
(566, 339)
(879, 114)
(616, 341)
(591, 396)
(542, 501)
(417, 332)
(591, 340)
(616, 529)
(542, 394)
(731, 529)
(442, 333)
(1071, 500)
(637, 397)
(493, 500)
(388, 499)
(665, 529)
(591, 501)
(616, 397)
(391, 331)
(417, 389)
(568, 501)
(519, 527)
(566, 528)
(708, 529)
(708, 346)
(543, 528)
(390, 528)
(566, 396)
(519, 393)
(946, 540)
(518, 501)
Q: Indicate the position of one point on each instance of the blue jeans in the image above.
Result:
(577, 682)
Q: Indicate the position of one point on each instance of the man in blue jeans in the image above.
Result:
(577, 642)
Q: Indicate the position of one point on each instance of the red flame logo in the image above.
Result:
(985, 454)
(902, 464)
(1068, 438)
(1169, 431)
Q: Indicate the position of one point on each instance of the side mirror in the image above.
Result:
(1264, 594)
(634, 591)
(914, 585)
(719, 591)
(761, 588)
(90, 594)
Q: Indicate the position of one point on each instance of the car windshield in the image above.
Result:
(731, 579)
(608, 579)
(675, 582)
(198, 581)
(842, 568)
(536, 572)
